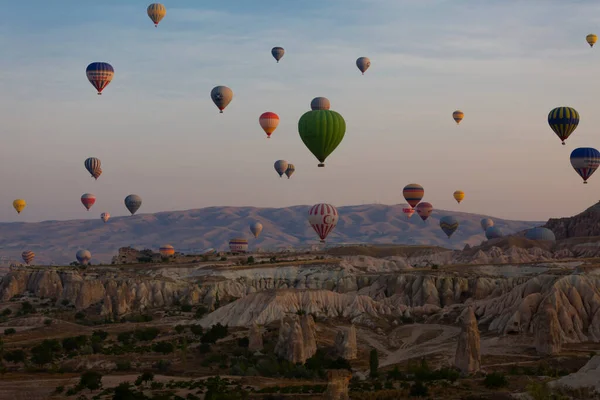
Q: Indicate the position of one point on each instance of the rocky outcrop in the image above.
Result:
(586, 377)
(337, 385)
(585, 224)
(297, 339)
(345, 343)
(255, 338)
(548, 335)
(468, 352)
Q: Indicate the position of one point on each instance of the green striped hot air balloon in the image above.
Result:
(322, 131)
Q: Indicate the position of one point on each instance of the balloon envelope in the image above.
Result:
(413, 193)
(563, 121)
(19, 205)
(133, 202)
(277, 53)
(256, 228)
(105, 216)
(100, 74)
(486, 223)
(290, 170)
(493, 232)
(323, 218)
(221, 96)
(156, 12)
(408, 211)
(424, 210)
(321, 131)
(238, 245)
(88, 200)
(540, 233)
(269, 122)
(281, 166)
(320, 103)
(28, 256)
(459, 196)
(167, 250)
(363, 64)
(83, 256)
(585, 161)
(449, 225)
(92, 165)
(591, 39)
(458, 116)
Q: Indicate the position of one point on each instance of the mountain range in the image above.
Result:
(56, 242)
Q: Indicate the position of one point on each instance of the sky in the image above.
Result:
(505, 63)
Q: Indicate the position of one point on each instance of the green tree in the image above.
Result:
(163, 347)
(15, 356)
(200, 311)
(91, 380)
(144, 378)
(373, 363)
(45, 352)
(179, 328)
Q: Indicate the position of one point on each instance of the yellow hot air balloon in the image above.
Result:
(591, 39)
(156, 12)
(19, 205)
(459, 196)
(458, 116)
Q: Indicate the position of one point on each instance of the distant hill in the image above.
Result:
(58, 241)
(584, 224)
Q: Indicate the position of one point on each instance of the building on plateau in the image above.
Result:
(238, 245)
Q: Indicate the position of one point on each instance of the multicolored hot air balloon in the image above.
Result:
(424, 210)
(458, 116)
(88, 200)
(486, 223)
(256, 228)
(221, 96)
(459, 196)
(238, 245)
(156, 12)
(540, 233)
(320, 103)
(83, 256)
(585, 161)
(133, 202)
(19, 205)
(408, 211)
(277, 53)
(269, 122)
(290, 170)
(105, 216)
(166, 250)
(281, 166)
(28, 256)
(449, 225)
(92, 164)
(493, 232)
(413, 193)
(323, 218)
(591, 39)
(363, 64)
(100, 74)
(321, 131)
(563, 121)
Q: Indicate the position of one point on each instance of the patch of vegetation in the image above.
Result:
(495, 380)
(10, 331)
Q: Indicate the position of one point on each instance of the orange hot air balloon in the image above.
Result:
(167, 250)
(458, 116)
(459, 196)
(269, 122)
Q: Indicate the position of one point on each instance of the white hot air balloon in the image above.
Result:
(256, 228)
(323, 218)
(105, 216)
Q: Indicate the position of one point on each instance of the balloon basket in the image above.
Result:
(321, 165)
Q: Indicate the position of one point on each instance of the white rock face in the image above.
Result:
(548, 335)
(468, 352)
(588, 376)
(255, 338)
(345, 343)
(297, 339)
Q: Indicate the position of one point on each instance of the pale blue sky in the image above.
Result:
(504, 63)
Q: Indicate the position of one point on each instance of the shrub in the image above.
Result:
(179, 328)
(74, 343)
(200, 311)
(99, 336)
(15, 356)
(163, 347)
(162, 365)
(186, 308)
(123, 365)
(6, 312)
(79, 315)
(91, 380)
(27, 308)
(244, 342)
(197, 330)
(418, 389)
(204, 348)
(373, 363)
(495, 380)
(146, 335)
(47, 322)
(10, 331)
(145, 377)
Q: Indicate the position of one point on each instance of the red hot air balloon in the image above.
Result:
(88, 200)
(408, 211)
(323, 218)
(269, 121)
(424, 210)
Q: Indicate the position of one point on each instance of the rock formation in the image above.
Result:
(585, 224)
(586, 377)
(345, 343)
(548, 340)
(255, 338)
(337, 385)
(468, 353)
(297, 339)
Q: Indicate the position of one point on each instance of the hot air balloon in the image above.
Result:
(591, 39)
(493, 232)
(105, 216)
(459, 196)
(133, 202)
(424, 210)
(563, 121)
(320, 103)
(277, 53)
(92, 164)
(88, 200)
(28, 256)
(100, 74)
(323, 218)
(156, 12)
(363, 63)
(19, 205)
(540, 233)
(585, 161)
(256, 228)
(238, 245)
(486, 223)
(290, 170)
(321, 131)
(458, 116)
(83, 256)
(269, 121)
(408, 211)
(167, 250)
(281, 166)
(413, 193)
(449, 225)
(221, 96)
